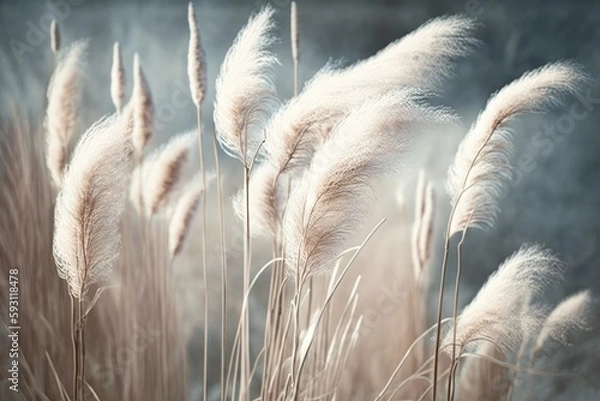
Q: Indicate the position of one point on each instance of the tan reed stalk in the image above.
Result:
(197, 78)
(223, 252)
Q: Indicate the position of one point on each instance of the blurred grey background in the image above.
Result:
(556, 200)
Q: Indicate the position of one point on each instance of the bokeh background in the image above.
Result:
(556, 198)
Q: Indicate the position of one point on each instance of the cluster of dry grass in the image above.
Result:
(96, 226)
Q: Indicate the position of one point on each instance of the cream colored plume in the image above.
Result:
(571, 314)
(117, 78)
(185, 209)
(294, 33)
(422, 231)
(64, 94)
(245, 91)
(196, 60)
(162, 172)
(142, 109)
(88, 210)
(54, 37)
(482, 166)
(420, 59)
(496, 312)
(330, 203)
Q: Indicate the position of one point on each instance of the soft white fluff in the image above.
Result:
(117, 78)
(88, 209)
(161, 173)
(420, 59)
(196, 66)
(185, 209)
(245, 91)
(54, 37)
(333, 198)
(422, 231)
(482, 166)
(294, 33)
(142, 109)
(571, 314)
(496, 312)
(64, 96)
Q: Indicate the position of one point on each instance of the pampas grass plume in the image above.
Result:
(495, 314)
(294, 33)
(570, 314)
(196, 60)
(64, 93)
(163, 171)
(181, 220)
(333, 198)
(117, 78)
(482, 164)
(142, 108)
(54, 37)
(245, 91)
(88, 210)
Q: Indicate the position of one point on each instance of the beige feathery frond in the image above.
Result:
(245, 91)
(422, 231)
(420, 59)
(482, 166)
(571, 314)
(54, 37)
(184, 212)
(196, 60)
(181, 220)
(162, 171)
(331, 201)
(294, 33)
(263, 188)
(88, 210)
(117, 78)
(495, 314)
(64, 94)
(142, 108)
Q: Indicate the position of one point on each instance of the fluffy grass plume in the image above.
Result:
(88, 209)
(142, 108)
(117, 78)
(185, 209)
(162, 171)
(420, 59)
(294, 33)
(334, 196)
(64, 94)
(482, 166)
(571, 314)
(423, 226)
(245, 89)
(54, 37)
(196, 60)
(495, 314)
